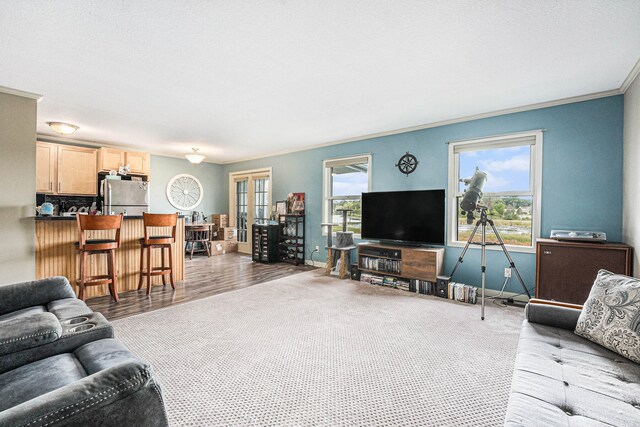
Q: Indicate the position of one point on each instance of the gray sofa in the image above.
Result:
(60, 366)
(561, 379)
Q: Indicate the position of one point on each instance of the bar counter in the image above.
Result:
(56, 254)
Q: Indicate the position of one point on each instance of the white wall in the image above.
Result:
(18, 179)
(631, 183)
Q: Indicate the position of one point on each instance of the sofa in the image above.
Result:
(562, 379)
(61, 366)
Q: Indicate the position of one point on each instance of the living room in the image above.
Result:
(333, 101)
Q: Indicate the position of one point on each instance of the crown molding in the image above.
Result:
(462, 119)
(83, 142)
(631, 77)
(22, 93)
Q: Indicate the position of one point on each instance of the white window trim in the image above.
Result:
(326, 183)
(535, 185)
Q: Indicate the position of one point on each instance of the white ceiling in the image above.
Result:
(242, 79)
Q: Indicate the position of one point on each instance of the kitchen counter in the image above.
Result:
(73, 218)
(56, 254)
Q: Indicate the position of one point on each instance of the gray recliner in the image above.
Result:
(60, 366)
(43, 318)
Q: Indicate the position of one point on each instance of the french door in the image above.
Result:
(250, 202)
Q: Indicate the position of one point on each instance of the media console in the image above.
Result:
(401, 261)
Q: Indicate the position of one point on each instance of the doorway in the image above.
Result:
(250, 202)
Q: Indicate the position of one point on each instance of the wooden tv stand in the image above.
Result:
(413, 262)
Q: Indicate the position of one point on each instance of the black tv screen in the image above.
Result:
(408, 216)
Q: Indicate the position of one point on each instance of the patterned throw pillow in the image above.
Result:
(611, 315)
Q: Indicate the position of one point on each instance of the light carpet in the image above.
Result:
(314, 350)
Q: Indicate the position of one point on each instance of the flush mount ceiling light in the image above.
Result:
(63, 128)
(194, 157)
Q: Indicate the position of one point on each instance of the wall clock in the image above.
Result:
(184, 192)
(407, 163)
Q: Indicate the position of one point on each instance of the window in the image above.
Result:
(345, 180)
(513, 164)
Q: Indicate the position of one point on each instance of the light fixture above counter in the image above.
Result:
(195, 157)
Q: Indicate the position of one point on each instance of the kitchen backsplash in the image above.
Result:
(69, 201)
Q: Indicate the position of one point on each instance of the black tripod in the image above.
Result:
(483, 222)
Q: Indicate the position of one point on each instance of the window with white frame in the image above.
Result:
(345, 180)
(513, 164)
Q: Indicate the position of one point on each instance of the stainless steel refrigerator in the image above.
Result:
(129, 197)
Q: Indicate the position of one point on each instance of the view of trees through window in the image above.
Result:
(511, 216)
(507, 193)
(348, 180)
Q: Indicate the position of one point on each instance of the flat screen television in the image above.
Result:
(405, 216)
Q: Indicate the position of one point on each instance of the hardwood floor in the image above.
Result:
(203, 277)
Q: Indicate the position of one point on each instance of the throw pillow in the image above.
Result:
(611, 315)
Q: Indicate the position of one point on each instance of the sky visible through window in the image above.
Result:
(507, 168)
(350, 183)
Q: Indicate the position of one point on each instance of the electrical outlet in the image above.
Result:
(507, 272)
(317, 248)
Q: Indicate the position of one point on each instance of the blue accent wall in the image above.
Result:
(581, 178)
(215, 198)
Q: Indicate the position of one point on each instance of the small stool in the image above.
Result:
(162, 242)
(88, 247)
(198, 234)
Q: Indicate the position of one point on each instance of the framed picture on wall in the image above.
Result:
(281, 207)
(296, 203)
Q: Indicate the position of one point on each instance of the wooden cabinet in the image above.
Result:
(112, 159)
(139, 162)
(565, 271)
(401, 261)
(66, 169)
(77, 170)
(46, 165)
(265, 243)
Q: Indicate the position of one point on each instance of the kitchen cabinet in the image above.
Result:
(112, 159)
(46, 167)
(77, 170)
(139, 162)
(66, 169)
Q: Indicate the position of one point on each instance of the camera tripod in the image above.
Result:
(482, 222)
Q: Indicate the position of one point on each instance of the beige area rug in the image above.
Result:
(312, 350)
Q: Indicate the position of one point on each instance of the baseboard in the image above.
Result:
(488, 293)
(318, 264)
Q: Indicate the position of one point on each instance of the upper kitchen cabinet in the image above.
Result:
(65, 169)
(46, 158)
(77, 170)
(139, 162)
(112, 159)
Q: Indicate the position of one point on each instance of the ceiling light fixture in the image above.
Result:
(194, 157)
(63, 128)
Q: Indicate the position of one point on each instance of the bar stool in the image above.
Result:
(96, 246)
(163, 242)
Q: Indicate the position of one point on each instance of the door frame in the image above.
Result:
(251, 175)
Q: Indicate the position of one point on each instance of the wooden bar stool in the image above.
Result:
(163, 242)
(96, 246)
(198, 234)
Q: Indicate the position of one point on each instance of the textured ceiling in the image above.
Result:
(241, 79)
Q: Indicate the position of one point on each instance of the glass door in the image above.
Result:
(251, 204)
(242, 210)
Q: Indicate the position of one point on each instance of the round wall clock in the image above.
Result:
(407, 163)
(184, 192)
